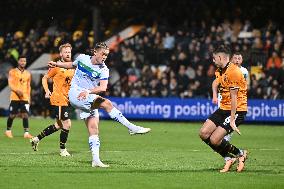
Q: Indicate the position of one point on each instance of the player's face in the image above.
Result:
(65, 54)
(220, 59)
(22, 62)
(101, 55)
(237, 59)
(217, 59)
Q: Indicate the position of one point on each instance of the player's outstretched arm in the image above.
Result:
(67, 65)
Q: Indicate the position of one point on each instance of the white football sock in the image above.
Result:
(94, 143)
(116, 115)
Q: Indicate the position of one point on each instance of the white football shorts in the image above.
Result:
(83, 104)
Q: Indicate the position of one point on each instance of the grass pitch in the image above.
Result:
(171, 156)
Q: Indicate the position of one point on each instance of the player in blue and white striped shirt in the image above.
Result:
(90, 79)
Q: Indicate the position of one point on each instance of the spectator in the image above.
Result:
(274, 94)
(182, 79)
(274, 61)
(168, 41)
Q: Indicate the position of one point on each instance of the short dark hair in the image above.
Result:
(223, 49)
(22, 56)
(237, 53)
(101, 45)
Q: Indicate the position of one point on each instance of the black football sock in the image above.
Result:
(47, 131)
(26, 124)
(226, 148)
(9, 123)
(63, 138)
(215, 148)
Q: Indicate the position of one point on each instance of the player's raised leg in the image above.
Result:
(116, 115)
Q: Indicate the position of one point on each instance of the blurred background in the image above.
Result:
(160, 50)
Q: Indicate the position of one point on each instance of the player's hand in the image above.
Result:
(83, 95)
(19, 93)
(52, 64)
(214, 100)
(47, 94)
(234, 127)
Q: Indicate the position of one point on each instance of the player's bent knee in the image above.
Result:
(25, 115)
(66, 124)
(203, 134)
(58, 124)
(12, 116)
(206, 130)
(97, 103)
(108, 103)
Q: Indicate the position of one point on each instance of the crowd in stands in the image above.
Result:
(162, 62)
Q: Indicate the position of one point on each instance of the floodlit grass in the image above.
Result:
(171, 156)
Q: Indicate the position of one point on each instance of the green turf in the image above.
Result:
(171, 156)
